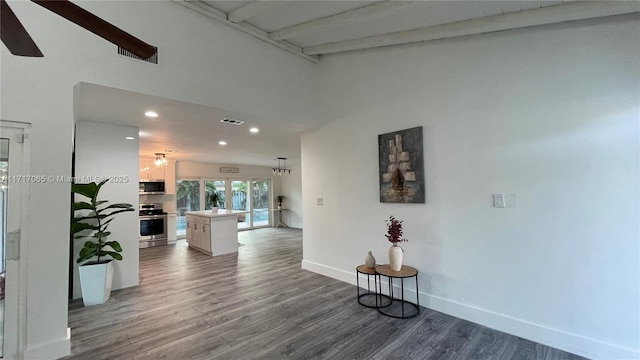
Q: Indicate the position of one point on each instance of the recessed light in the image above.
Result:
(129, 138)
(151, 114)
(222, 142)
(254, 130)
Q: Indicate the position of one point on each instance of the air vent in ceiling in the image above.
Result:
(232, 121)
(151, 59)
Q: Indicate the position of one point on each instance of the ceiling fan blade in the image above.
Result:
(96, 25)
(14, 36)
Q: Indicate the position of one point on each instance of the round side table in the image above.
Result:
(399, 308)
(375, 298)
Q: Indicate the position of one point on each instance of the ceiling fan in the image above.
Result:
(16, 38)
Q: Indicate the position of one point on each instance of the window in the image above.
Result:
(214, 186)
(252, 196)
(187, 199)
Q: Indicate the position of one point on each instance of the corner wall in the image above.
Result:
(549, 115)
(103, 152)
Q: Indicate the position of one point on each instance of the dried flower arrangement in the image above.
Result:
(394, 230)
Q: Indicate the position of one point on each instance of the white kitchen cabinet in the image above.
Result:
(172, 235)
(199, 233)
(148, 170)
(170, 178)
(213, 233)
(190, 237)
(205, 236)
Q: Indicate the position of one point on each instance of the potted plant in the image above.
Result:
(394, 235)
(91, 221)
(214, 198)
(280, 200)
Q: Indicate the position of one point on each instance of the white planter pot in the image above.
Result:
(395, 258)
(95, 281)
(214, 209)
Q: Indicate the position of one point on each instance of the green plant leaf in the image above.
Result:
(87, 252)
(87, 190)
(90, 245)
(114, 245)
(103, 216)
(95, 222)
(82, 205)
(102, 234)
(78, 226)
(84, 258)
(95, 196)
(120, 205)
(113, 254)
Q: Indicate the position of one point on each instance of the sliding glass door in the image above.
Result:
(250, 195)
(187, 199)
(260, 203)
(211, 187)
(240, 201)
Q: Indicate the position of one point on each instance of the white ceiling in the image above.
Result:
(311, 29)
(192, 130)
(314, 28)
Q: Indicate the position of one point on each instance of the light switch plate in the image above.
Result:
(499, 201)
(319, 201)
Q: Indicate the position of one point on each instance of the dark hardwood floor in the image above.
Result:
(259, 304)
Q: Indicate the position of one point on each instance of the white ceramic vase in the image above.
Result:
(214, 209)
(395, 257)
(370, 261)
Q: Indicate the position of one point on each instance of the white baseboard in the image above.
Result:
(52, 350)
(559, 339)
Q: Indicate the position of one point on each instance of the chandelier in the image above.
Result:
(160, 160)
(282, 167)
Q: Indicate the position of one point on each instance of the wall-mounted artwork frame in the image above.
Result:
(401, 166)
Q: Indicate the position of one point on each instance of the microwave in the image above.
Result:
(151, 187)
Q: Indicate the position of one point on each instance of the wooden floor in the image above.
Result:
(259, 304)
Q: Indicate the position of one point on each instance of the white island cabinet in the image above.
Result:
(213, 233)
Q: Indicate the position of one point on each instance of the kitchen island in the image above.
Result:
(213, 233)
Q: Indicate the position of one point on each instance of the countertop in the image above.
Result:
(220, 213)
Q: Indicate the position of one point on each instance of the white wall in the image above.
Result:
(101, 151)
(217, 67)
(292, 190)
(548, 114)
(195, 170)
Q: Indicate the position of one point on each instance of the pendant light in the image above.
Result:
(282, 167)
(160, 160)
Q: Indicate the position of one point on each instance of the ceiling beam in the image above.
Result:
(252, 9)
(579, 10)
(365, 13)
(220, 16)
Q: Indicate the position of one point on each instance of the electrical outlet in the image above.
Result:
(499, 201)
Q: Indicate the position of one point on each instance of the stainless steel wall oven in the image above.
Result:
(153, 225)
